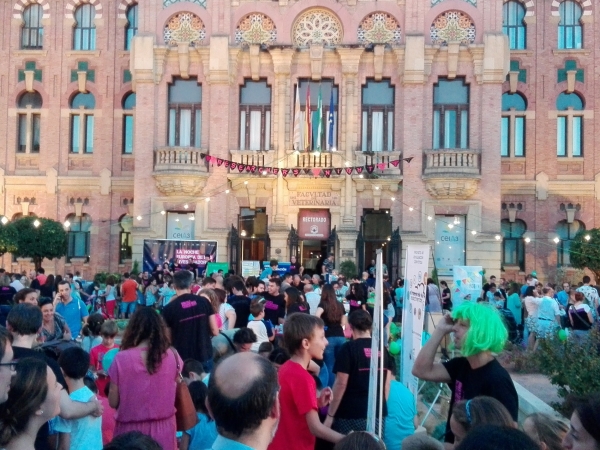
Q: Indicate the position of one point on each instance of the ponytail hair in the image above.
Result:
(93, 326)
(28, 390)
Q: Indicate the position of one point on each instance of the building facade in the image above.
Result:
(464, 124)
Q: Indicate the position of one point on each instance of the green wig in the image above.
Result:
(486, 332)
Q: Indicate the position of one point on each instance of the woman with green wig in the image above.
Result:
(479, 334)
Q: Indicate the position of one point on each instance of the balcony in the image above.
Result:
(310, 160)
(382, 162)
(452, 173)
(252, 158)
(180, 170)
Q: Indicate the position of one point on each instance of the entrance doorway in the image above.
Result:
(312, 254)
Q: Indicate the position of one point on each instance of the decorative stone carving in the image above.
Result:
(317, 26)
(452, 188)
(379, 28)
(184, 27)
(256, 28)
(180, 184)
(452, 26)
(167, 3)
(437, 2)
(316, 61)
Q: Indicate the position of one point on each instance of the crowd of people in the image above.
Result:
(276, 361)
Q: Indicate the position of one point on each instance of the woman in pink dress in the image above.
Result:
(143, 380)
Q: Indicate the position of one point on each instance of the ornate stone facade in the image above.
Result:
(317, 26)
(379, 28)
(256, 28)
(184, 28)
(452, 26)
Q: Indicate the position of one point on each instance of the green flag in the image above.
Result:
(319, 121)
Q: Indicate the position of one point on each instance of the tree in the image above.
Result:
(584, 251)
(47, 240)
(8, 238)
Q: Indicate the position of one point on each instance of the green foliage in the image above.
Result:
(8, 238)
(101, 277)
(135, 269)
(48, 240)
(572, 366)
(348, 269)
(586, 253)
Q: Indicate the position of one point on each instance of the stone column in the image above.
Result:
(282, 62)
(350, 59)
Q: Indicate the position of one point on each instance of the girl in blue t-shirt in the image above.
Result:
(203, 435)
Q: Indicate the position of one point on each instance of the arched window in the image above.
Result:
(566, 232)
(125, 239)
(513, 246)
(29, 122)
(569, 125)
(513, 24)
(570, 33)
(32, 33)
(128, 123)
(84, 33)
(132, 25)
(78, 236)
(513, 125)
(82, 123)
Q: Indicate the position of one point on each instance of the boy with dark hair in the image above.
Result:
(304, 338)
(192, 371)
(86, 433)
(108, 331)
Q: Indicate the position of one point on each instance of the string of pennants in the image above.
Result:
(315, 171)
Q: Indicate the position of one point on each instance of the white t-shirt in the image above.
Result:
(223, 310)
(313, 299)
(260, 330)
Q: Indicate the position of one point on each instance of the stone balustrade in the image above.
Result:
(453, 162)
(179, 159)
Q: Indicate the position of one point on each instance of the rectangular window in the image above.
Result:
(84, 33)
(127, 134)
(125, 249)
(32, 33)
(75, 133)
(185, 113)
(78, 244)
(22, 147)
(36, 120)
(577, 136)
(255, 116)
(450, 114)
(505, 136)
(82, 133)
(377, 116)
(519, 136)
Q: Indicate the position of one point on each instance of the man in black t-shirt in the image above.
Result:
(191, 322)
(477, 372)
(275, 304)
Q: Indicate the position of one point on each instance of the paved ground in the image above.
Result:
(538, 385)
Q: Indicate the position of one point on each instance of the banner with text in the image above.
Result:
(449, 248)
(314, 224)
(468, 283)
(415, 286)
(187, 254)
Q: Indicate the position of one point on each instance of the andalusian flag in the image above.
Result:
(319, 120)
(331, 120)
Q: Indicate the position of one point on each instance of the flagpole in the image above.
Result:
(330, 121)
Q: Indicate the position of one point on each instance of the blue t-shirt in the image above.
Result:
(399, 422)
(203, 435)
(73, 313)
(563, 298)
(86, 433)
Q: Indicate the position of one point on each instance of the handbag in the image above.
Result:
(185, 414)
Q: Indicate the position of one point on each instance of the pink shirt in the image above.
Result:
(138, 389)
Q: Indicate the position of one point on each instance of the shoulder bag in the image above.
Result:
(185, 414)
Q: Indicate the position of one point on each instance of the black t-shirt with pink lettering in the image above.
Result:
(274, 308)
(354, 358)
(188, 318)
